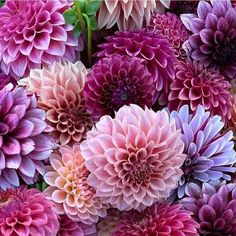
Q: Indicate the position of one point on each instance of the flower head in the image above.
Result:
(117, 81)
(180, 7)
(68, 187)
(34, 33)
(26, 212)
(135, 158)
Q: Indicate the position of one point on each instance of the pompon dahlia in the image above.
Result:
(68, 187)
(159, 219)
(213, 42)
(24, 142)
(26, 212)
(34, 33)
(210, 154)
(60, 89)
(117, 81)
(174, 30)
(69, 227)
(137, 166)
(196, 85)
(213, 207)
(151, 46)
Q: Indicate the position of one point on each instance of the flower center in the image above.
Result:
(6, 197)
(140, 173)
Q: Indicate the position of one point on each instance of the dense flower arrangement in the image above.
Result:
(117, 118)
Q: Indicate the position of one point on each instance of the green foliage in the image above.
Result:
(92, 6)
(2, 2)
(70, 16)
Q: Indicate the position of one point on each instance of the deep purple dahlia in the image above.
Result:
(210, 154)
(213, 207)
(213, 42)
(180, 7)
(24, 143)
(117, 81)
(151, 46)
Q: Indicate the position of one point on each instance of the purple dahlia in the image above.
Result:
(196, 85)
(213, 207)
(117, 81)
(5, 79)
(210, 154)
(34, 33)
(151, 46)
(180, 7)
(213, 42)
(24, 143)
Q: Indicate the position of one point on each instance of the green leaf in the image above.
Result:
(1, 3)
(76, 30)
(70, 16)
(81, 4)
(44, 185)
(93, 22)
(92, 6)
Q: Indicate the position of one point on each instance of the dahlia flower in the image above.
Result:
(117, 81)
(59, 89)
(213, 42)
(151, 46)
(171, 26)
(69, 227)
(210, 154)
(213, 207)
(68, 187)
(196, 85)
(159, 219)
(180, 7)
(26, 212)
(135, 158)
(24, 143)
(34, 33)
(6, 79)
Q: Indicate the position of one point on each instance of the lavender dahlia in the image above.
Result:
(117, 81)
(210, 154)
(213, 42)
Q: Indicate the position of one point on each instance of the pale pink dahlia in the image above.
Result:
(26, 213)
(68, 187)
(135, 158)
(34, 33)
(60, 89)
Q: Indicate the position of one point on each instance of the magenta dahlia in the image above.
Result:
(159, 219)
(26, 212)
(196, 85)
(135, 158)
(117, 81)
(34, 33)
(213, 42)
(24, 142)
(151, 46)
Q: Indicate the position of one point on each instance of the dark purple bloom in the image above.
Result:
(180, 7)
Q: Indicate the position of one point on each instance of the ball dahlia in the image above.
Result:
(24, 142)
(117, 81)
(68, 187)
(26, 212)
(174, 30)
(60, 89)
(210, 154)
(213, 42)
(137, 166)
(153, 47)
(196, 85)
(159, 219)
(213, 207)
(34, 33)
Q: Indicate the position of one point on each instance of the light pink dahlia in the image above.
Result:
(68, 187)
(34, 33)
(135, 158)
(60, 89)
(26, 213)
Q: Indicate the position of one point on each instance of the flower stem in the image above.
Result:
(80, 17)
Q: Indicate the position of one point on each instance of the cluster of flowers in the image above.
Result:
(141, 143)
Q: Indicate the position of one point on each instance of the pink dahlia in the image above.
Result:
(34, 33)
(26, 212)
(140, 164)
(24, 140)
(196, 85)
(174, 30)
(68, 187)
(117, 81)
(159, 219)
(60, 89)
(151, 46)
